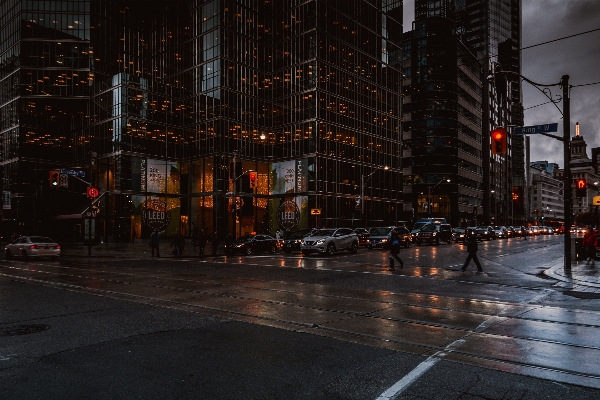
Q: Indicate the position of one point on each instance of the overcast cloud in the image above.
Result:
(578, 57)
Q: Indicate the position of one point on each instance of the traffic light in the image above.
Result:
(92, 192)
(499, 141)
(54, 178)
(253, 180)
(581, 187)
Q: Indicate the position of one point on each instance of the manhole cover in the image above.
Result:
(23, 330)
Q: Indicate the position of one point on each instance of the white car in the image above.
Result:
(32, 246)
(329, 241)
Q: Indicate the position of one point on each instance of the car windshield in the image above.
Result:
(381, 231)
(40, 239)
(428, 228)
(323, 232)
(419, 225)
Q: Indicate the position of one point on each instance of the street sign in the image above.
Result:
(531, 130)
(71, 172)
(315, 211)
(596, 200)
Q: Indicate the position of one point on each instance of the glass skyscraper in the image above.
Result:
(169, 107)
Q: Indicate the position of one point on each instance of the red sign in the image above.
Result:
(92, 192)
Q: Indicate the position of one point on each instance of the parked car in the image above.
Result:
(363, 236)
(329, 241)
(379, 237)
(435, 233)
(485, 233)
(292, 240)
(253, 244)
(32, 246)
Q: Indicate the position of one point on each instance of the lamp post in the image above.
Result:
(363, 182)
(429, 190)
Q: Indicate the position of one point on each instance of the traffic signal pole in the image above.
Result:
(568, 197)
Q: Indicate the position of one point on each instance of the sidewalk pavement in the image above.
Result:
(137, 249)
(583, 277)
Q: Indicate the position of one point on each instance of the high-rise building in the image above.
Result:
(442, 136)
(166, 107)
(491, 30)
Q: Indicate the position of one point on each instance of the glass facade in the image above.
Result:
(165, 106)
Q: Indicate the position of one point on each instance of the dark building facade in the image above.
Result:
(169, 107)
(491, 30)
(442, 131)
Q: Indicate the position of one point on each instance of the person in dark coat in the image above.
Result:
(202, 239)
(179, 243)
(155, 243)
(229, 244)
(215, 240)
(472, 248)
(395, 249)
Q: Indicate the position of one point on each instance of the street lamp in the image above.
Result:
(234, 201)
(363, 182)
(429, 190)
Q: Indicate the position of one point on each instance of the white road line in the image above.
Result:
(408, 379)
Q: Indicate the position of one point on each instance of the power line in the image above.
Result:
(562, 38)
(586, 84)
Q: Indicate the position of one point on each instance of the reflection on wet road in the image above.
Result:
(490, 320)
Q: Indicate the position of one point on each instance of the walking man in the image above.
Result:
(202, 239)
(155, 243)
(214, 240)
(395, 249)
(472, 248)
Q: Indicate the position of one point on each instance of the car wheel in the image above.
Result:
(287, 251)
(437, 241)
(449, 241)
(24, 254)
(306, 253)
(8, 254)
(248, 250)
(370, 247)
(273, 249)
(330, 250)
(419, 243)
(354, 248)
(406, 244)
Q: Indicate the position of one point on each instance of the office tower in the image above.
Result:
(166, 107)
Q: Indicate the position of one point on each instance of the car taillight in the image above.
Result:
(33, 246)
(57, 246)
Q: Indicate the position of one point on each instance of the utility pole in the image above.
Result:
(567, 175)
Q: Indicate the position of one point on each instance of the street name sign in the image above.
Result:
(531, 130)
(71, 172)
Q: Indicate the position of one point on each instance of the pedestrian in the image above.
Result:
(229, 240)
(472, 250)
(155, 243)
(277, 234)
(395, 249)
(590, 241)
(214, 241)
(178, 243)
(202, 239)
(195, 234)
(525, 232)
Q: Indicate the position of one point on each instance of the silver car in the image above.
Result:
(32, 246)
(329, 241)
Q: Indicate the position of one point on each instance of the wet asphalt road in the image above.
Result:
(288, 326)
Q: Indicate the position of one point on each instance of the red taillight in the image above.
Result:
(57, 246)
(33, 246)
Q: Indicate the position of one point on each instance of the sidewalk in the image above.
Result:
(138, 249)
(582, 277)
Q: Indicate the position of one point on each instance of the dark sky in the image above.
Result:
(578, 57)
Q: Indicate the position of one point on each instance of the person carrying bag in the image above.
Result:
(395, 249)
(472, 248)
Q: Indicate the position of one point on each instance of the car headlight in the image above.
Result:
(434, 233)
(320, 241)
(383, 240)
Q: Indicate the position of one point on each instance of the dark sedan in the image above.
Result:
(379, 237)
(291, 242)
(253, 244)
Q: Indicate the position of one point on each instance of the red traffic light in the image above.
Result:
(581, 187)
(498, 137)
(253, 180)
(92, 192)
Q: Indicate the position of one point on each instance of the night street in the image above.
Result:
(282, 326)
